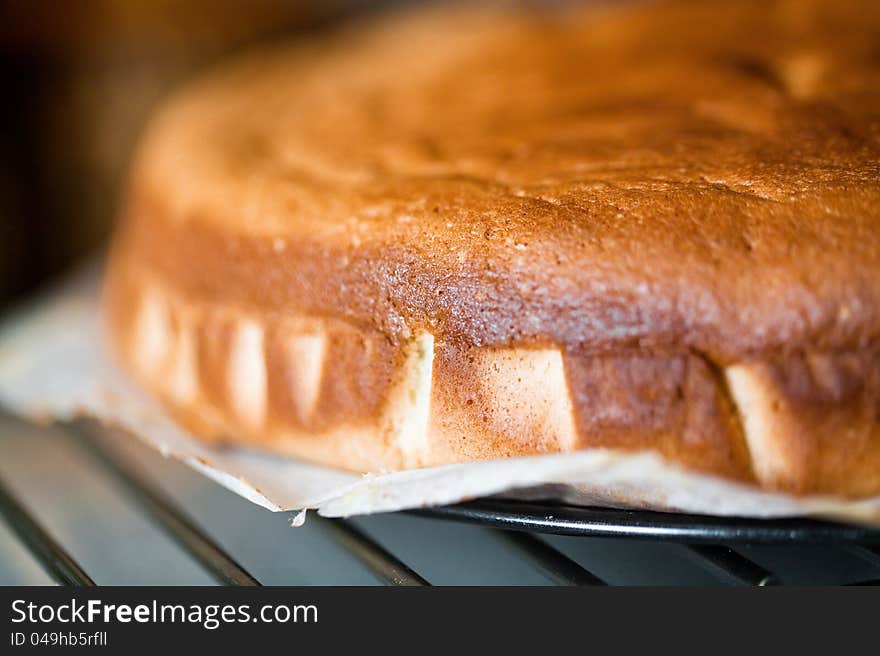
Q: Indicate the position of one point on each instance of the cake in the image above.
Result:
(457, 233)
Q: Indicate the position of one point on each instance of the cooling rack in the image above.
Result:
(712, 541)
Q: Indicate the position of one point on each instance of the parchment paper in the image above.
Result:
(53, 366)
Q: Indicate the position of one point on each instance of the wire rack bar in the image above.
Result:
(867, 552)
(559, 567)
(211, 556)
(54, 558)
(646, 525)
(381, 562)
(732, 565)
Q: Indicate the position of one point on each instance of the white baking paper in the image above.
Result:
(53, 367)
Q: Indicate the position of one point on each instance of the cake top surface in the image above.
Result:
(663, 176)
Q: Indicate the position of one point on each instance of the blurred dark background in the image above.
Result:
(80, 78)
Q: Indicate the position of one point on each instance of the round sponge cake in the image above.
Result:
(457, 233)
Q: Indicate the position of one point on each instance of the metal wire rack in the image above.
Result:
(708, 540)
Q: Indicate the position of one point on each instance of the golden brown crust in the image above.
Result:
(676, 403)
(609, 228)
(813, 420)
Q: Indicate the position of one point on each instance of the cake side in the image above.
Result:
(329, 392)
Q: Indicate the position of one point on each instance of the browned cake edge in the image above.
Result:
(330, 392)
